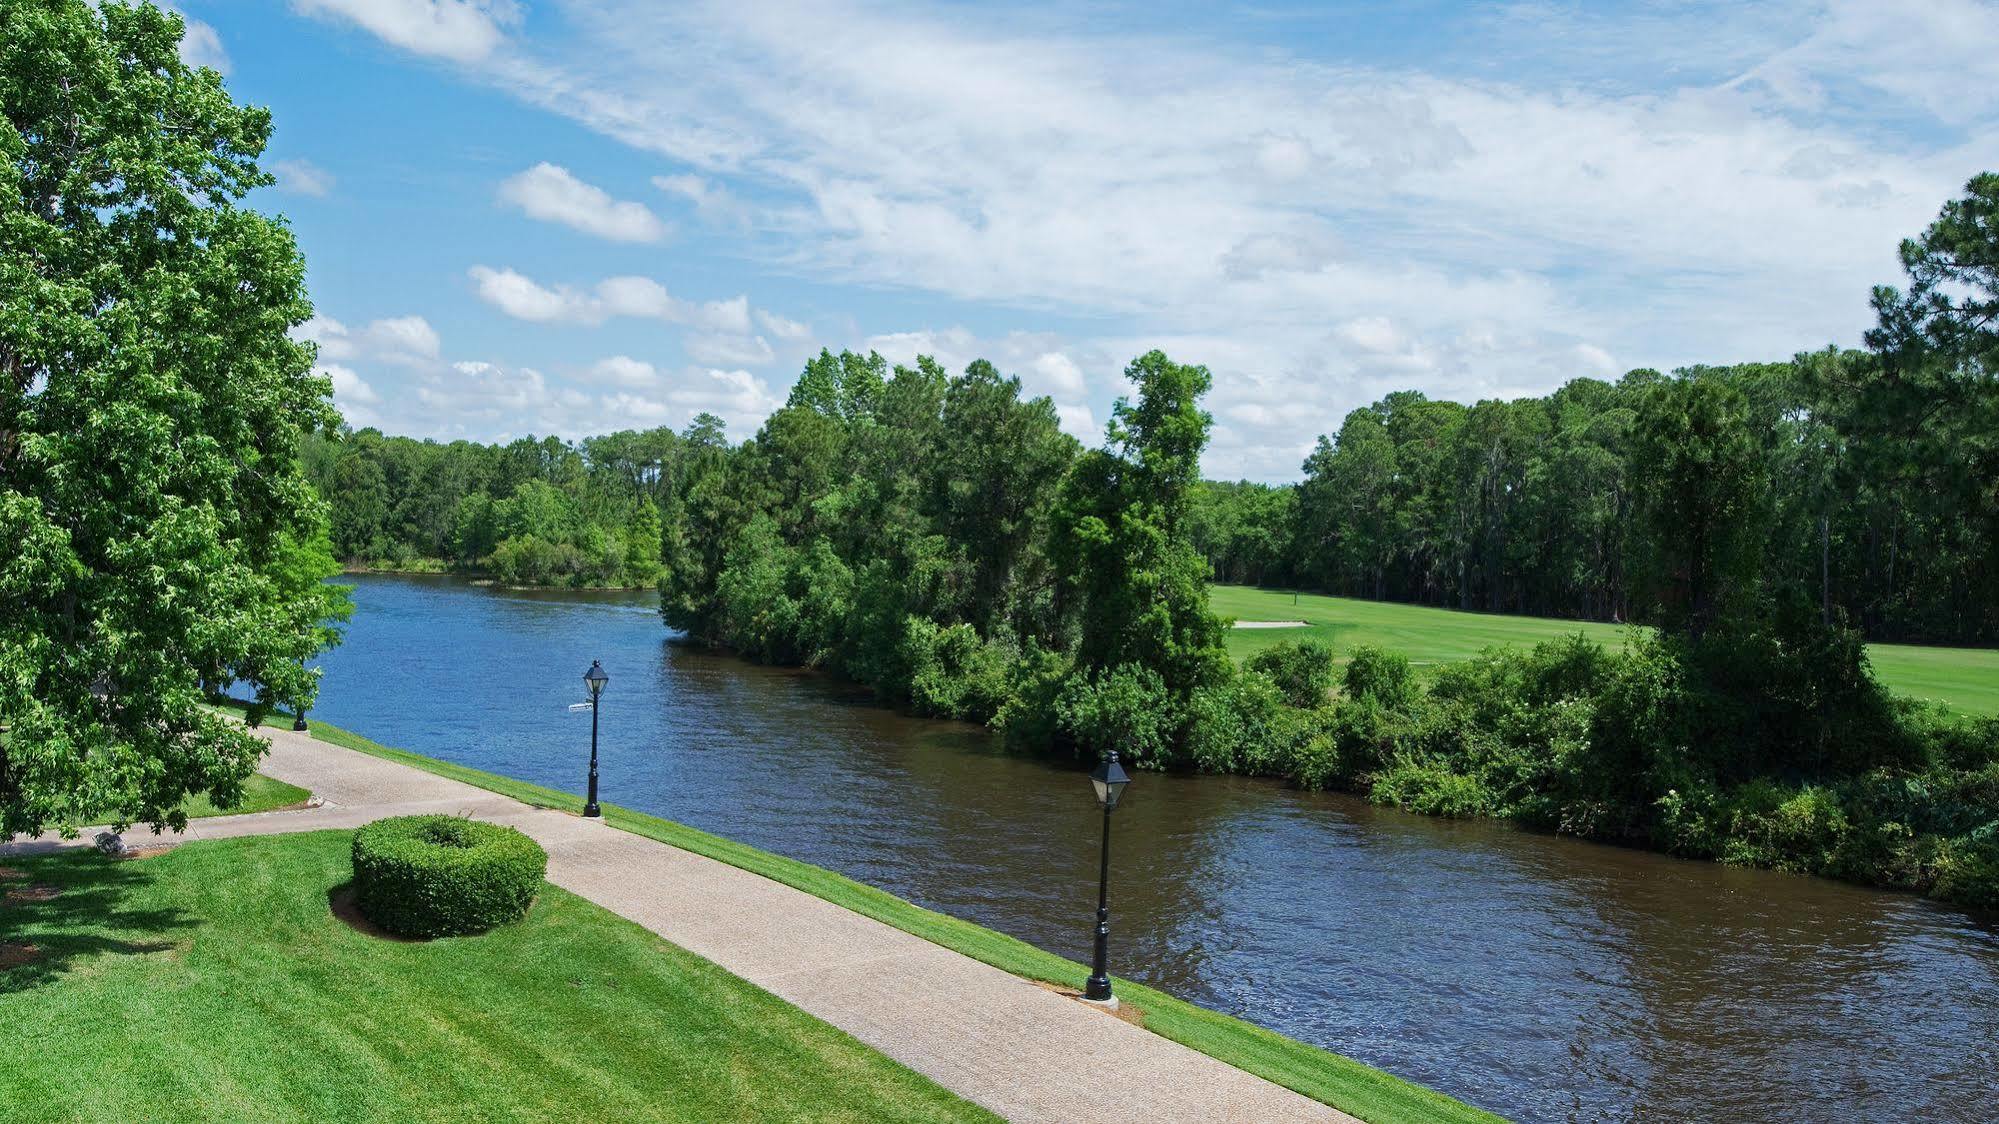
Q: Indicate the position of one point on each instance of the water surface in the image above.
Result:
(1545, 979)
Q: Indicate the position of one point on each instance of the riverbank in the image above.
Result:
(1328, 1078)
(213, 982)
(439, 568)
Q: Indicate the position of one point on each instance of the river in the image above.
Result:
(1545, 979)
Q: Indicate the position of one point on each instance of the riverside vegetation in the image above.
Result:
(939, 539)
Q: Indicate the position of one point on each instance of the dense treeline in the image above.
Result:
(940, 539)
(532, 512)
(1526, 506)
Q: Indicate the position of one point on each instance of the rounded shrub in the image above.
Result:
(441, 876)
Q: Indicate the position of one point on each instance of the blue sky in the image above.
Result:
(572, 216)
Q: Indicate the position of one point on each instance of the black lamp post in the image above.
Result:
(595, 680)
(298, 723)
(1109, 780)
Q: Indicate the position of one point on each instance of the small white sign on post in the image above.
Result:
(580, 706)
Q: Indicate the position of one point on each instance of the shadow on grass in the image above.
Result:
(78, 909)
(345, 903)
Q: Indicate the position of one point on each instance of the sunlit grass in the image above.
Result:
(1965, 679)
(260, 794)
(215, 983)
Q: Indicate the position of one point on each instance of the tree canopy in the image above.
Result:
(162, 538)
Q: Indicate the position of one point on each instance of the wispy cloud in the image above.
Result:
(303, 177)
(1318, 232)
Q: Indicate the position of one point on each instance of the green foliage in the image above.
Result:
(1432, 789)
(159, 532)
(1302, 670)
(1121, 545)
(1240, 726)
(534, 512)
(1381, 677)
(953, 673)
(1783, 755)
(442, 876)
(1127, 708)
(1703, 510)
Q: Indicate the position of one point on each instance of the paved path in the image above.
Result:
(1016, 1048)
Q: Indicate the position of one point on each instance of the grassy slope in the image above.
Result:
(213, 983)
(1368, 1093)
(1966, 679)
(260, 794)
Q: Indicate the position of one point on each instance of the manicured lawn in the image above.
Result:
(1361, 1090)
(1965, 679)
(214, 983)
(260, 794)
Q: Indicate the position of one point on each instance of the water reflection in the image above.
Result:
(1542, 978)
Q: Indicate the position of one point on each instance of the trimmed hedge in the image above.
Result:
(442, 876)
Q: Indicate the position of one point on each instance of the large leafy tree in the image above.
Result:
(1702, 513)
(160, 535)
(1124, 537)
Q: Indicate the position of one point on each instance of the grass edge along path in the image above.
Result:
(1353, 1087)
(225, 960)
(260, 794)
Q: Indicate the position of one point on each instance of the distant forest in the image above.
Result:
(1518, 506)
(1526, 506)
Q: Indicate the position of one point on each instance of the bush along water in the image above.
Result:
(440, 876)
(1749, 752)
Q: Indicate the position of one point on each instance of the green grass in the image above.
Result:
(1366, 1092)
(260, 794)
(214, 983)
(1965, 679)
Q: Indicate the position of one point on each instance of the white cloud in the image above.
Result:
(643, 298)
(348, 387)
(402, 337)
(1059, 375)
(523, 299)
(406, 340)
(1078, 422)
(303, 177)
(738, 397)
(719, 350)
(782, 328)
(710, 199)
(623, 370)
(201, 45)
(459, 30)
(551, 193)
(1318, 233)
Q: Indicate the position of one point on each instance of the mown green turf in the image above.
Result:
(213, 983)
(260, 794)
(1366, 1092)
(1965, 679)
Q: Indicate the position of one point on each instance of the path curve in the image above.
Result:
(1020, 1050)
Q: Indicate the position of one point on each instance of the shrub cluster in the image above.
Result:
(440, 876)
(1732, 751)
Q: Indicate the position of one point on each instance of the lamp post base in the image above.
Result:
(593, 812)
(1108, 1002)
(299, 726)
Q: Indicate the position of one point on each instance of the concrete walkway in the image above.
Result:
(1020, 1050)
